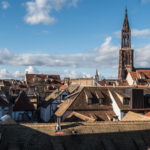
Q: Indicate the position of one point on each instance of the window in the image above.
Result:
(126, 101)
(100, 101)
(89, 101)
(64, 97)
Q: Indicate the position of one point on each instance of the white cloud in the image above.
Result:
(5, 74)
(140, 33)
(73, 3)
(31, 70)
(145, 1)
(104, 56)
(40, 11)
(5, 4)
(107, 54)
(74, 74)
(17, 75)
(135, 33)
(142, 57)
(99, 57)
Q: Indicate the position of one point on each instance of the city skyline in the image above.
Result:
(70, 38)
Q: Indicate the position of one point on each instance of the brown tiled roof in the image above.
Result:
(141, 86)
(70, 89)
(49, 82)
(119, 103)
(147, 114)
(79, 103)
(137, 73)
(127, 107)
(102, 83)
(22, 103)
(121, 93)
(145, 72)
(99, 94)
(133, 75)
(95, 136)
(65, 105)
(91, 116)
(30, 77)
(81, 116)
(17, 86)
(132, 116)
(33, 100)
(54, 95)
(63, 87)
(73, 87)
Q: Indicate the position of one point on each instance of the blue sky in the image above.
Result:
(70, 37)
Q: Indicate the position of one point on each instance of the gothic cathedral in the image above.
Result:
(125, 53)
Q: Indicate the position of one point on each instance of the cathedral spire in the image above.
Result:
(126, 33)
(126, 53)
(97, 76)
(126, 22)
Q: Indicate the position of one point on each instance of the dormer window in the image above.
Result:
(64, 97)
(100, 101)
(126, 101)
(89, 101)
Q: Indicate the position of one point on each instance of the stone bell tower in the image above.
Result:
(125, 53)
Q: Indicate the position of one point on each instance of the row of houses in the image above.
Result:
(95, 103)
(104, 104)
(83, 99)
(21, 99)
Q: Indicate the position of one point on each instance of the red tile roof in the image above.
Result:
(102, 83)
(136, 74)
(147, 114)
(30, 77)
(63, 87)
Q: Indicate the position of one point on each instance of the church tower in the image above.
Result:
(96, 76)
(125, 53)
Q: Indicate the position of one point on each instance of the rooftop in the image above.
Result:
(99, 135)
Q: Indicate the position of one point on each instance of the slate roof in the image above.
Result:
(6, 119)
(3, 99)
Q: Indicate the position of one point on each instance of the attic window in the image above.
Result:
(126, 101)
(64, 97)
(100, 101)
(89, 101)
